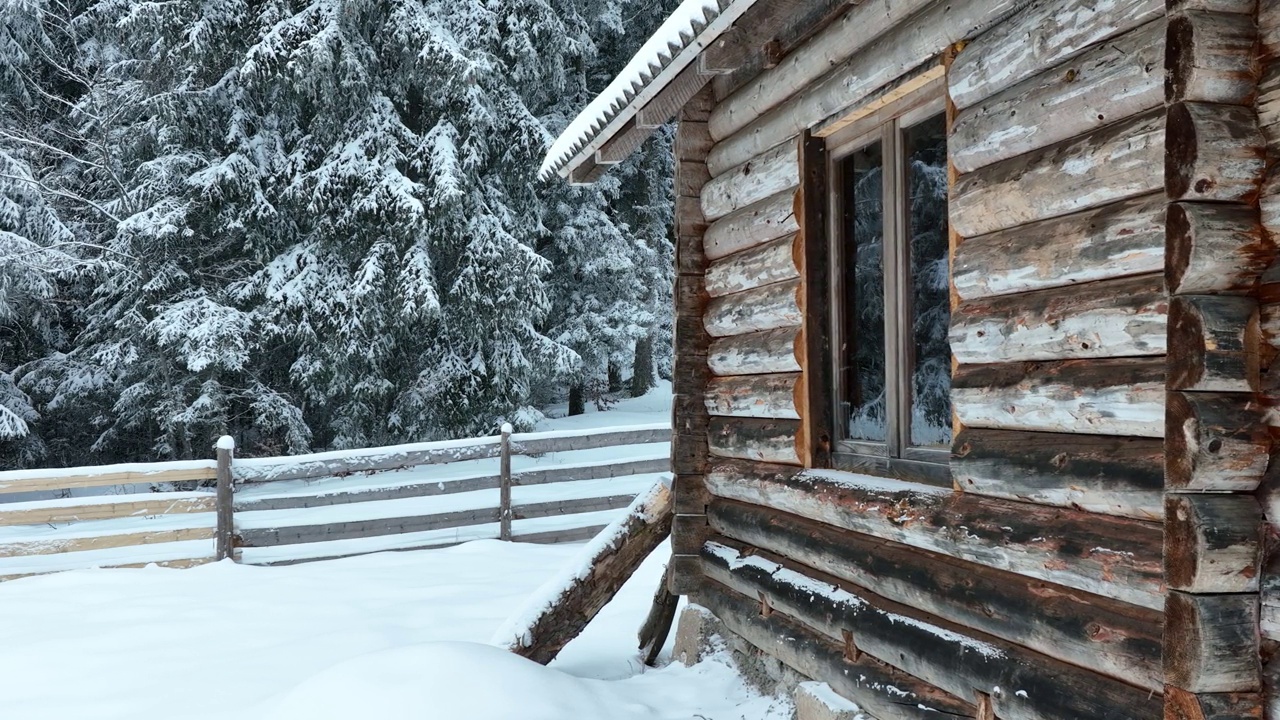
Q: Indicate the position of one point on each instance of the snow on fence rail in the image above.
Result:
(531, 487)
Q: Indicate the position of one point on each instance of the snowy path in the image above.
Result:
(357, 637)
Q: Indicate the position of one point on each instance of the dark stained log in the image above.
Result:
(1102, 397)
(1038, 38)
(765, 308)
(1212, 543)
(957, 660)
(1113, 163)
(1213, 343)
(1114, 638)
(1211, 642)
(691, 496)
(1111, 475)
(763, 352)
(657, 624)
(1214, 248)
(1113, 80)
(1125, 238)
(769, 219)
(1215, 442)
(1213, 57)
(773, 441)
(1182, 705)
(815, 296)
(1117, 318)
(1214, 152)
(874, 686)
(765, 264)
(761, 396)
(546, 630)
(686, 574)
(774, 171)
(1109, 556)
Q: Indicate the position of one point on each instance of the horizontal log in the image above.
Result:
(946, 656)
(1112, 81)
(1212, 543)
(1211, 642)
(759, 396)
(1215, 442)
(773, 441)
(1114, 557)
(874, 686)
(1119, 161)
(1212, 58)
(774, 171)
(353, 529)
(1118, 318)
(1269, 30)
(765, 308)
(154, 504)
(1183, 705)
(557, 508)
(1007, 55)
(1099, 397)
(763, 352)
(1214, 343)
(102, 542)
(1214, 153)
(1214, 248)
(338, 465)
(770, 219)
(1125, 238)
(75, 478)
(1121, 476)
(557, 537)
(249, 503)
(1114, 638)
(532, 445)
(772, 262)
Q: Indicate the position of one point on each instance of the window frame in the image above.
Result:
(896, 456)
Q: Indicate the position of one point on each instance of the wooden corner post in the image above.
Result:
(811, 211)
(504, 483)
(225, 533)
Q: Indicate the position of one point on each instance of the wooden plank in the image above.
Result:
(156, 504)
(950, 657)
(757, 396)
(1116, 162)
(225, 502)
(773, 171)
(1215, 442)
(771, 351)
(1214, 153)
(571, 507)
(554, 537)
(1114, 80)
(770, 219)
(1040, 37)
(1113, 638)
(398, 492)
(1211, 642)
(1215, 248)
(591, 441)
(334, 465)
(558, 474)
(76, 478)
(1213, 57)
(915, 88)
(772, 262)
(815, 389)
(1117, 240)
(773, 441)
(1114, 557)
(101, 542)
(1098, 397)
(1121, 476)
(1214, 343)
(354, 529)
(1118, 318)
(1212, 543)
(765, 308)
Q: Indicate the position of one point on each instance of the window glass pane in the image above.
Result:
(925, 149)
(863, 237)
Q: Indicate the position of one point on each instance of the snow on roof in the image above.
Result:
(693, 26)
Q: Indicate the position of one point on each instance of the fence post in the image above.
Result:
(504, 484)
(226, 448)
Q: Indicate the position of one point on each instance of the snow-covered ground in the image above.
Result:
(389, 636)
(652, 407)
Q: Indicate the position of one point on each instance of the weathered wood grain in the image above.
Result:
(1110, 475)
(771, 351)
(769, 219)
(758, 396)
(774, 171)
(155, 504)
(1215, 248)
(773, 441)
(540, 446)
(764, 308)
(102, 542)
(1214, 343)
(1182, 705)
(1211, 642)
(765, 264)
(552, 508)
(1213, 58)
(352, 529)
(1215, 442)
(1214, 152)
(25, 481)
(1212, 543)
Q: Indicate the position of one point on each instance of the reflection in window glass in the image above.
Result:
(925, 150)
(864, 356)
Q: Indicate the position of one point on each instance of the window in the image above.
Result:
(891, 364)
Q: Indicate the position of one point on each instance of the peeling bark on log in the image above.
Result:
(774, 171)
(1212, 543)
(765, 308)
(757, 396)
(1214, 152)
(1100, 397)
(766, 264)
(1112, 81)
(1213, 343)
(1214, 249)
(1211, 643)
(1114, 557)
(1125, 238)
(1213, 57)
(1114, 163)
(1119, 318)
(1215, 442)
(771, 351)
(1115, 638)
(769, 219)
(1121, 476)
(771, 441)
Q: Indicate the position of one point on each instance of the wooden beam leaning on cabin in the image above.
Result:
(1217, 443)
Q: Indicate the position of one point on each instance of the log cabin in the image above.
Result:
(977, 318)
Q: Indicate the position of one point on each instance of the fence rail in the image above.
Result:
(531, 487)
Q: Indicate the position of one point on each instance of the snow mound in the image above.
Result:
(448, 680)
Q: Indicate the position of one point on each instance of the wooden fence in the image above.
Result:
(535, 487)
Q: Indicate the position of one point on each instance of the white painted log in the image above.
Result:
(1043, 35)
(772, 262)
(1115, 163)
(1125, 238)
(1120, 318)
(772, 351)
(1213, 58)
(905, 47)
(769, 219)
(1114, 80)
(1214, 153)
(774, 171)
(766, 308)
(761, 440)
(1214, 248)
(757, 396)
